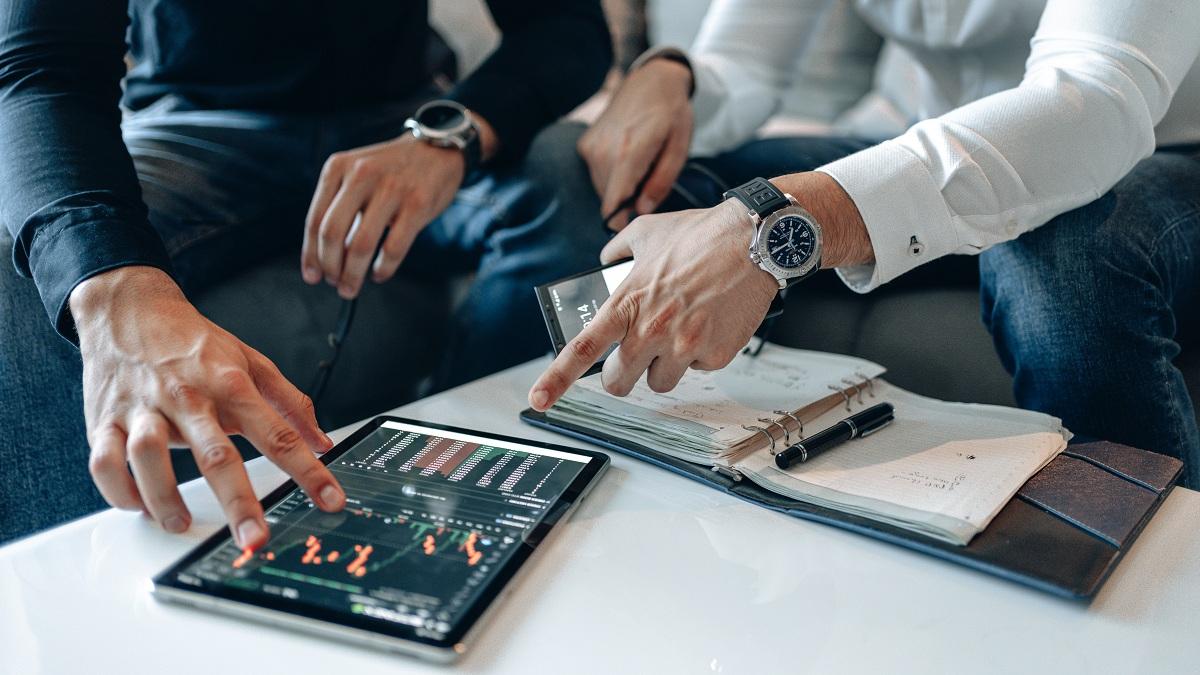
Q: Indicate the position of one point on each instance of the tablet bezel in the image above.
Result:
(250, 601)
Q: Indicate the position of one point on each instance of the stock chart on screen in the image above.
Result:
(429, 518)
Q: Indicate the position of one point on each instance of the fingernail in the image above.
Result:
(331, 496)
(328, 440)
(539, 399)
(312, 275)
(645, 205)
(250, 530)
(346, 291)
(174, 524)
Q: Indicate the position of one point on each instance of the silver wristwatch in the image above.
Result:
(448, 124)
(787, 239)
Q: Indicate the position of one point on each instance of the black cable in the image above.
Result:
(336, 338)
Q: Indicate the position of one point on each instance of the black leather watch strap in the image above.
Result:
(760, 196)
(472, 155)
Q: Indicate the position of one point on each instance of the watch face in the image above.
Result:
(791, 242)
(442, 117)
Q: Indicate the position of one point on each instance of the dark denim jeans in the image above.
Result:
(1089, 311)
(227, 190)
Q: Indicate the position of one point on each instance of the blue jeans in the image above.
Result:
(227, 190)
(1089, 311)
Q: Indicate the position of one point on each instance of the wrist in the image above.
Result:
(741, 233)
(97, 297)
(672, 77)
(845, 241)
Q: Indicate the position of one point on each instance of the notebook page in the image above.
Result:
(722, 401)
(948, 466)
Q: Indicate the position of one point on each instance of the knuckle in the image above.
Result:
(102, 462)
(418, 201)
(282, 440)
(661, 322)
(363, 168)
(216, 455)
(305, 406)
(584, 348)
(235, 383)
(360, 246)
(335, 163)
(393, 248)
(692, 336)
(185, 395)
(329, 234)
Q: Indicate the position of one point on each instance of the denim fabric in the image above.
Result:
(1089, 311)
(227, 190)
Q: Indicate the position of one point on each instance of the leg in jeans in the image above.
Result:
(518, 227)
(1089, 311)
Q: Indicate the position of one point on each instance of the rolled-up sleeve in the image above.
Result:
(69, 195)
(1099, 77)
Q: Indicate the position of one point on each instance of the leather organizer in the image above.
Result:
(1064, 532)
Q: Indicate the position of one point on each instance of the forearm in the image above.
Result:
(1097, 82)
(552, 56)
(68, 191)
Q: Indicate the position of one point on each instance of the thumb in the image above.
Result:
(619, 247)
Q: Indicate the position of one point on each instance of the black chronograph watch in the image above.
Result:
(787, 239)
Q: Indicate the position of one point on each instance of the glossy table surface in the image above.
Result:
(654, 574)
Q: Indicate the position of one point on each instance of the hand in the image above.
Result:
(694, 298)
(156, 372)
(690, 302)
(643, 134)
(398, 187)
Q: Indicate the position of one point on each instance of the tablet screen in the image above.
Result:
(432, 517)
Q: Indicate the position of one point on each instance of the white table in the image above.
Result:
(654, 574)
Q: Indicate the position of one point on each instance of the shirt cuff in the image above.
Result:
(905, 213)
(66, 253)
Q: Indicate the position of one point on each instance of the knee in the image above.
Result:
(568, 208)
(1074, 286)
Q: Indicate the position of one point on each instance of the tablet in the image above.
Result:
(437, 521)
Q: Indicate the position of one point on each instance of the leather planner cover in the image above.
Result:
(1064, 532)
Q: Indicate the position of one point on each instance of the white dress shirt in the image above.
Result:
(1007, 113)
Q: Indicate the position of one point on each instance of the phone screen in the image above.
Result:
(570, 304)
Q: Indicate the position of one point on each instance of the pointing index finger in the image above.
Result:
(609, 326)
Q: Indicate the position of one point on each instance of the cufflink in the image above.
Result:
(915, 247)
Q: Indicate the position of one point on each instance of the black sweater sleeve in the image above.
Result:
(68, 191)
(553, 55)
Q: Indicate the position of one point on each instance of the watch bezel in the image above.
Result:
(457, 136)
(762, 255)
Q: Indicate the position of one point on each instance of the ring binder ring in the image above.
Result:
(857, 388)
(787, 435)
(794, 419)
(750, 427)
(869, 383)
(843, 393)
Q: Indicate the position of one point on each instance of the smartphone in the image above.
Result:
(570, 304)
